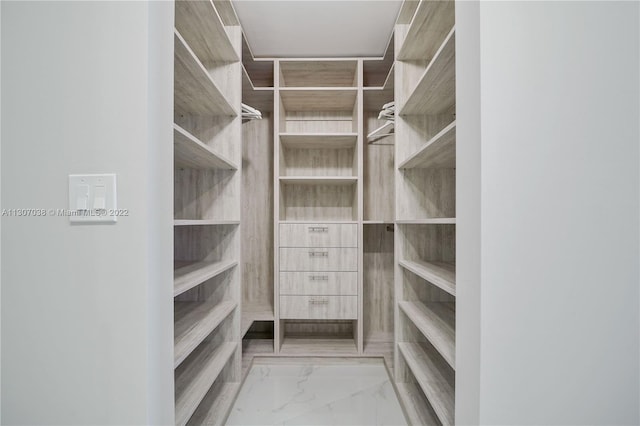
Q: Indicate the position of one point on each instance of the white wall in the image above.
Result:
(559, 159)
(84, 338)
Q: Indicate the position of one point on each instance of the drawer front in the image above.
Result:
(318, 235)
(318, 307)
(319, 283)
(318, 259)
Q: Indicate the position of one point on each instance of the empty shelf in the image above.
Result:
(318, 180)
(435, 92)
(216, 404)
(195, 91)
(255, 312)
(430, 24)
(432, 221)
(440, 274)
(305, 73)
(319, 140)
(189, 276)
(260, 98)
(437, 321)
(439, 152)
(417, 411)
(435, 381)
(195, 377)
(203, 222)
(192, 153)
(194, 321)
(201, 26)
(318, 99)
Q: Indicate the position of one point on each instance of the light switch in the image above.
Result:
(92, 198)
(82, 199)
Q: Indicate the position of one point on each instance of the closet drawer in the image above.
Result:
(319, 283)
(318, 259)
(318, 307)
(318, 235)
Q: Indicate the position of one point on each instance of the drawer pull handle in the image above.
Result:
(318, 277)
(319, 253)
(318, 300)
(318, 229)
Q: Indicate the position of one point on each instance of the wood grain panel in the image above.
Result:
(437, 322)
(439, 152)
(378, 184)
(318, 73)
(429, 26)
(435, 378)
(194, 90)
(192, 153)
(319, 283)
(319, 307)
(318, 140)
(435, 92)
(318, 99)
(317, 162)
(318, 235)
(194, 378)
(206, 194)
(257, 212)
(202, 27)
(426, 194)
(318, 259)
(318, 202)
(316, 121)
(378, 292)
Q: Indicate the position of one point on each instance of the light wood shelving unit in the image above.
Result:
(425, 238)
(207, 203)
(318, 185)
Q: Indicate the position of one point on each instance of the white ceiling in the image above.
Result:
(317, 28)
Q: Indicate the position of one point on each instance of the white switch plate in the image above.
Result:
(92, 198)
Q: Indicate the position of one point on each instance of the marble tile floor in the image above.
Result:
(317, 391)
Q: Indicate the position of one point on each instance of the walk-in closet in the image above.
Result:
(315, 209)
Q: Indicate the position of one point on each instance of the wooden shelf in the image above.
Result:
(202, 27)
(435, 381)
(194, 321)
(188, 276)
(435, 92)
(204, 222)
(440, 274)
(319, 98)
(304, 73)
(377, 222)
(195, 377)
(216, 405)
(375, 97)
(260, 98)
(255, 312)
(195, 91)
(436, 320)
(414, 405)
(432, 221)
(318, 180)
(430, 24)
(294, 346)
(192, 153)
(319, 140)
(438, 153)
